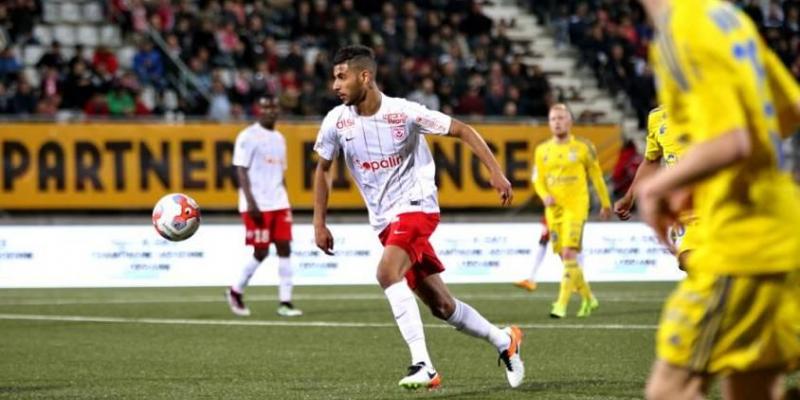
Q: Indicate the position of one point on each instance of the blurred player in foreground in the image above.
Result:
(562, 165)
(260, 160)
(737, 313)
(388, 158)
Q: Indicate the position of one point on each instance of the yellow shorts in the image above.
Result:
(719, 324)
(684, 236)
(566, 233)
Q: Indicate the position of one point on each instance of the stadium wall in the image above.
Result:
(129, 166)
(135, 256)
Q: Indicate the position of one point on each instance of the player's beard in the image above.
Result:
(359, 94)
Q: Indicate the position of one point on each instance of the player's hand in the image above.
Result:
(549, 201)
(503, 187)
(605, 213)
(622, 207)
(324, 239)
(655, 211)
(255, 215)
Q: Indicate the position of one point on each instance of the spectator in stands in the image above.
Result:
(425, 95)
(6, 103)
(105, 59)
(22, 16)
(52, 57)
(625, 169)
(78, 87)
(220, 106)
(10, 67)
(24, 100)
(77, 56)
(97, 106)
(51, 84)
(148, 65)
(120, 101)
(476, 22)
(495, 99)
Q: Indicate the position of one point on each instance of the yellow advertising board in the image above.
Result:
(130, 166)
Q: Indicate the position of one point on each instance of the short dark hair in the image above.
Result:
(356, 55)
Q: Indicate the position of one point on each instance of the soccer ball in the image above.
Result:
(176, 217)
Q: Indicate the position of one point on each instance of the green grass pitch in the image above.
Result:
(183, 343)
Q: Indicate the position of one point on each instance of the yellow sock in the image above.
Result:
(578, 280)
(566, 286)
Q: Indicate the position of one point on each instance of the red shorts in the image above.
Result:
(276, 227)
(410, 231)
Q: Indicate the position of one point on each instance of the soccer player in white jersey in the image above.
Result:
(384, 149)
(260, 160)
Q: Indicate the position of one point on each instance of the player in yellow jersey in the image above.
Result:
(664, 146)
(563, 164)
(737, 313)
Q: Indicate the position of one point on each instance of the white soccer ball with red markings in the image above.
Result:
(176, 217)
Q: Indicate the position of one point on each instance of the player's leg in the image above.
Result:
(667, 382)
(434, 293)
(559, 307)
(572, 262)
(530, 283)
(394, 263)
(257, 237)
(767, 384)
(281, 234)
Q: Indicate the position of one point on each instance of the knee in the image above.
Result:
(655, 391)
(283, 249)
(569, 254)
(442, 308)
(387, 277)
(260, 254)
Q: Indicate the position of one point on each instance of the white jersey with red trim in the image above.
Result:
(263, 152)
(386, 155)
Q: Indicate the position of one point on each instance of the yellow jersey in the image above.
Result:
(709, 62)
(662, 142)
(562, 170)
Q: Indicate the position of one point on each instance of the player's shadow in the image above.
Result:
(598, 387)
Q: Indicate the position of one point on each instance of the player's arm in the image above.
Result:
(322, 187)
(498, 180)
(247, 190)
(596, 175)
(539, 181)
(651, 163)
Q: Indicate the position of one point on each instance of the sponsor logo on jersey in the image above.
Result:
(345, 123)
(395, 118)
(384, 163)
(398, 131)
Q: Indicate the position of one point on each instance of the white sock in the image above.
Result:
(247, 273)
(406, 314)
(285, 273)
(466, 319)
(540, 253)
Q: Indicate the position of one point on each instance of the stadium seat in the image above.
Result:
(125, 56)
(65, 34)
(92, 12)
(70, 12)
(51, 12)
(87, 35)
(43, 33)
(32, 54)
(110, 36)
(32, 76)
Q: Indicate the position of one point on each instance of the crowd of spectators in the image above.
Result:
(447, 55)
(612, 37)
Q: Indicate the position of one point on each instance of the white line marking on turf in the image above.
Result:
(309, 297)
(326, 324)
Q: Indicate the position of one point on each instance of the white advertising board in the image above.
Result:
(128, 255)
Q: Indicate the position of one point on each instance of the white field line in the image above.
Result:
(295, 323)
(308, 297)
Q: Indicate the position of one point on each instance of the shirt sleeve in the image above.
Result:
(596, 175)
(540, 174)
(426, 122)
(243, 151)
(785, 93)
(327, 144)
(653, 150)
